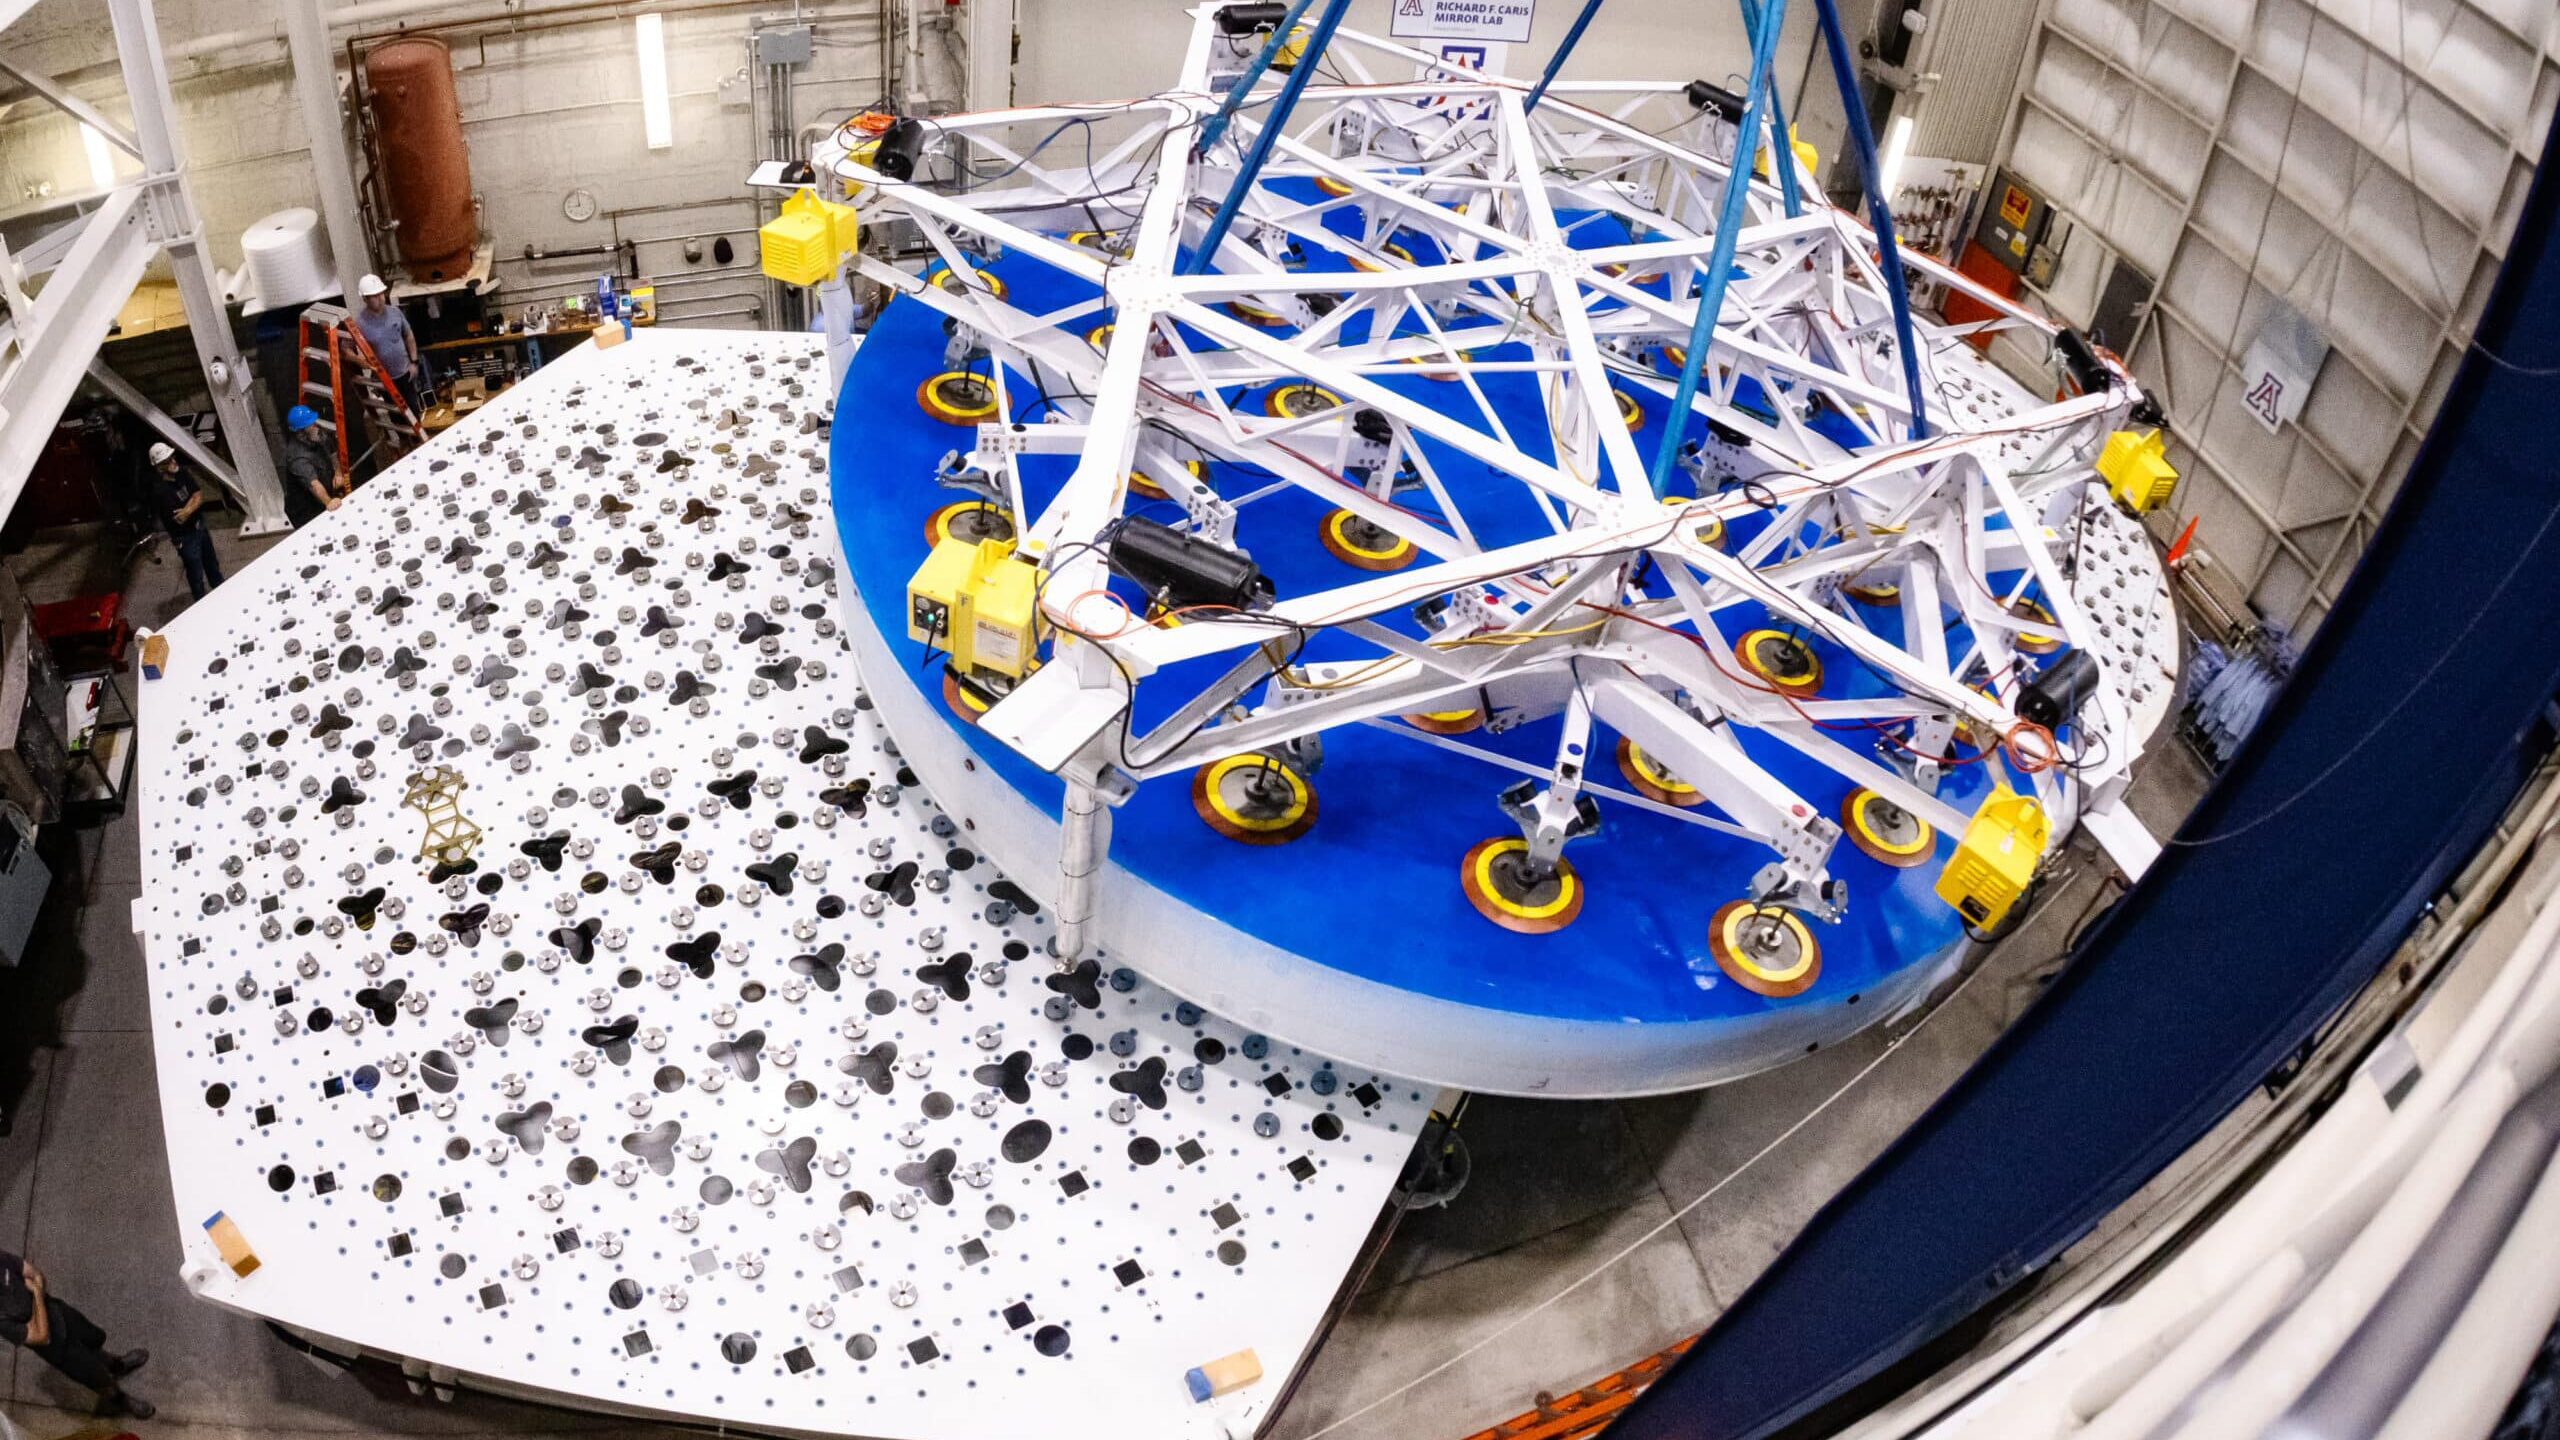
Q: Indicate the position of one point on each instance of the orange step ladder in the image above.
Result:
(330, 339)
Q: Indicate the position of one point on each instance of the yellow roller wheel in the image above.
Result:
(1883, 594)
(1709, 532)
(1358, 543)
(963, 701)
(1141, 484)
(1255, 315)
(1099, 337)
(1392, 251)
(1629, 410)
(957, 398)
(2033, 613)
(1652, 781)
(970, 520)
(1444, 376)
(984, 280)
(1780, 659)
(1886, 832)
(1493, 874)
(1764, 949)
(1253, 800)
(1448, 722)
(1290, 402)
(1332, 187)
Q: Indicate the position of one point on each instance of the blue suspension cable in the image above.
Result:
(1879, 210)
(1737, 186)
(1272, 126)
(1555, 63)
(1252, 76)
(1782, 150)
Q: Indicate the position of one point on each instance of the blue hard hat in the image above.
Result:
(301, 418)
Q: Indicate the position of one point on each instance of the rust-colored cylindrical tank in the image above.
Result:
(426, 172)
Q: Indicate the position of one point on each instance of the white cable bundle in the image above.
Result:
(288, 260)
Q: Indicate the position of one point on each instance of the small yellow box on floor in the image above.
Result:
(231, 1244)
(1997, 857)
(976, 601)
(1224, 1374)
(2137, 470)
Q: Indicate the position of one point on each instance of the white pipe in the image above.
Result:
(387, 12)
(2169, 1312)
(2275, 1374)
(2485, 1352)
(1087, 827)
(315, 85)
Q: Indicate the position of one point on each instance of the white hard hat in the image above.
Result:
(160, 452)
(371, 285)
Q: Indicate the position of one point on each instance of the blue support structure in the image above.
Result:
(1252, 76)
(1782, 150)
(1269, 135)
(1555, 62)
(1879, 209)
(1737, 187)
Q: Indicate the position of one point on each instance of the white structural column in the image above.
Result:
(315, 84)
(47, 339)
(990, 32)
(172, 214)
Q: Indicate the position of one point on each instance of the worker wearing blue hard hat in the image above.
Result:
(312, 480)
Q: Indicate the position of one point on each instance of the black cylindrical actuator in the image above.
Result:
(900, 146)
(1707, 96)
(2056, 697)
(2087, 370)
(1179, 568)
(1246, 19)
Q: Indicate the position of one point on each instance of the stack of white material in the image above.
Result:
(288, 260)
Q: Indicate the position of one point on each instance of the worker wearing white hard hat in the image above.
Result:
(180, 503)
(387, 330)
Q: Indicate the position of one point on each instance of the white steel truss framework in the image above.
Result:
(59, 296)
(1810, 425)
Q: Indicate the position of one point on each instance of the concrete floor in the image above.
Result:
(1558, 1190)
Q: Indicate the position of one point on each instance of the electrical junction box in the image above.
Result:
(977, 601)
(793, 46)
(1997, 857)
(2014, 222)
(802, 245)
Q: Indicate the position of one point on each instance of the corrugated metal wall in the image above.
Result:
(2363, 169)
(1976, 55)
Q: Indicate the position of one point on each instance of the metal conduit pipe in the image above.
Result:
(750, 308)
(503, 14)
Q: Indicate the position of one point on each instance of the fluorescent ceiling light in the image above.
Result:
(656, 117)
(1897, 146)
(102, 159)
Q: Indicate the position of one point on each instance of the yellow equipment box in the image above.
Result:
(2137, 470)
(1996, 858)
(977, 601)
(802, 244)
